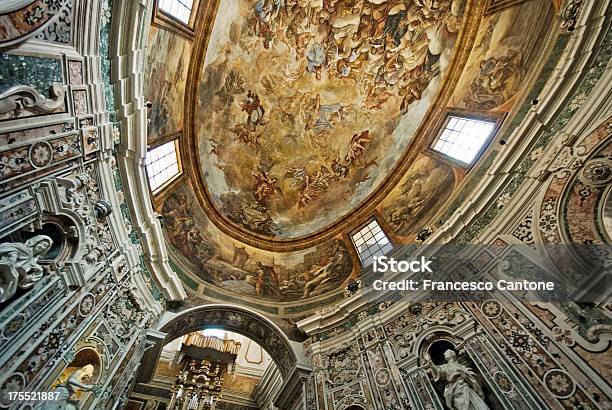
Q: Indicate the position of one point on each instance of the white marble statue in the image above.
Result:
(19, 264)
(67, 391)
(462, 391)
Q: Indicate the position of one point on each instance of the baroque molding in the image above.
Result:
(132, 148)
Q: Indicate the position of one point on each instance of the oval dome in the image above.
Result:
(305, 108)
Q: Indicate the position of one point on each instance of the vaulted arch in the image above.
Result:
(236, 319)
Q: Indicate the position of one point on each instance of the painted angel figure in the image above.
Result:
(462, 391)
(67, 397)
(19, 264)
(252, 106)
(264, 185)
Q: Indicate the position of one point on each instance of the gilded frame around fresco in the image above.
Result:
(163, 20)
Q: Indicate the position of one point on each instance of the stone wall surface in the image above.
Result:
(75, 292)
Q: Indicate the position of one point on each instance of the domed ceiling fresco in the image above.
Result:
(306, 106)
(215, 258)
(299, 113)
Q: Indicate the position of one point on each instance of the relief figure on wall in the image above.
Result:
(19, 264)
(462, 391)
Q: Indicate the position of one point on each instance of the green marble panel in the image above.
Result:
(105, 62)
(37, 72)
(186, 279)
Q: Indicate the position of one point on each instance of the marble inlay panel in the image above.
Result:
(75, 72)
(60, 30)
(37, 72)
(80, 102)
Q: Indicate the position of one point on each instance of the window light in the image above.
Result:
(212, 332)
(464, 138)
(371, 241)
(162, 164)
(179, 9)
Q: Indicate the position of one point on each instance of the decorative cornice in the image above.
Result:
(206, 15)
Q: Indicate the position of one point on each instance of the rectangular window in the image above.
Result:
(463, 139)
(162, 164)
(371, 241)
(179, 9)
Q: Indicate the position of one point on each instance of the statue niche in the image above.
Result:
(68, 391)
(462, 388)
(79, 377)
(19, 266)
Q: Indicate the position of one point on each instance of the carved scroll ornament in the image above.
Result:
(21, 97)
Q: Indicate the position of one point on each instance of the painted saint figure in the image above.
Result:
(462, 391)
(328, 271)
(266, 280)
(19, 264)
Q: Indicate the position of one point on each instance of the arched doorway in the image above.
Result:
(287, 358)
(239, 320)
